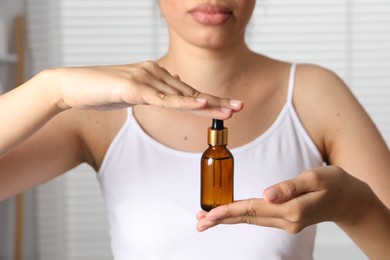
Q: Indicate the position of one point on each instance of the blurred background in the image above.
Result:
(65, 218)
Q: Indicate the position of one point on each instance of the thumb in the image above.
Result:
(283, 191)
(308, 181)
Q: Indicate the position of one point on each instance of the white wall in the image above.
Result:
(350, 37)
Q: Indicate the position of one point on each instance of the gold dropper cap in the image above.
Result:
(217, 133)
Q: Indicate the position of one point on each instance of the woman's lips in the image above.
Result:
(211, 14)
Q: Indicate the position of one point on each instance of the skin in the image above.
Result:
(64, 128)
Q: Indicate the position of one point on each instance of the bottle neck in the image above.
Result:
(217, 145)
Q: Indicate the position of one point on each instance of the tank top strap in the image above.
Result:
(291, 83)
(130, 113)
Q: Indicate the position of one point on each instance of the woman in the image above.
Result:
(296, 117)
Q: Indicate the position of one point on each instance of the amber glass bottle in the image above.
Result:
(217, 169)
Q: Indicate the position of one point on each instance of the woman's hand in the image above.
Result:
(321, 194)
(144, 83)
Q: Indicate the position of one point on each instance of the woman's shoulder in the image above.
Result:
(319, 75)
(315, 84)
(310, 81)
(307, 71)
(319, 97)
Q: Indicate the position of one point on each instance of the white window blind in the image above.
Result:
(70, 216)
(108, 32)
(351, 37)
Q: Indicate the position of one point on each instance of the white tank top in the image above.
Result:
(152, 194)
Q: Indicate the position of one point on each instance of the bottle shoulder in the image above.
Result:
(217, 152)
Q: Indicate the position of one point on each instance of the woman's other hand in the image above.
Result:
(321, 194)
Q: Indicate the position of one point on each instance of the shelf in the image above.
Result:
(8, 58)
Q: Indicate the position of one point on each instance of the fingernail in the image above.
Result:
(271, 194)
(235, 103)
(201, 100)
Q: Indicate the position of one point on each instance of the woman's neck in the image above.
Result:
(214, 71)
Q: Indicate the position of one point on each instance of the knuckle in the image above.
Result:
(251, 211)
(246, 220)
(178, 93)
(290, 189)
(213, 100)
(150, 65)
(131, 76)
(143, 72)
(138, 74)
(193, 92)
(295, 215)
(147, 64)
(162, 69)
(163, 96)
(336, 168)
(294, 228)
(316, 178)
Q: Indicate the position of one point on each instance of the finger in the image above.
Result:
(201, 214)
(205, 224)
(187, 90)
(198, 106)
(173, 81)
(215, 104)
(252, 211)
(155, 97)
(152, 74)
(234, 105)
(156, 82)
(287, 190)
(151, 96)
(179, 85)
(221, 113)
(167, 83)
(248, 207)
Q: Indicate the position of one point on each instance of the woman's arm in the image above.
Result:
(28, 107)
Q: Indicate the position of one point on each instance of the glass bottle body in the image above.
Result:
(217, 171)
